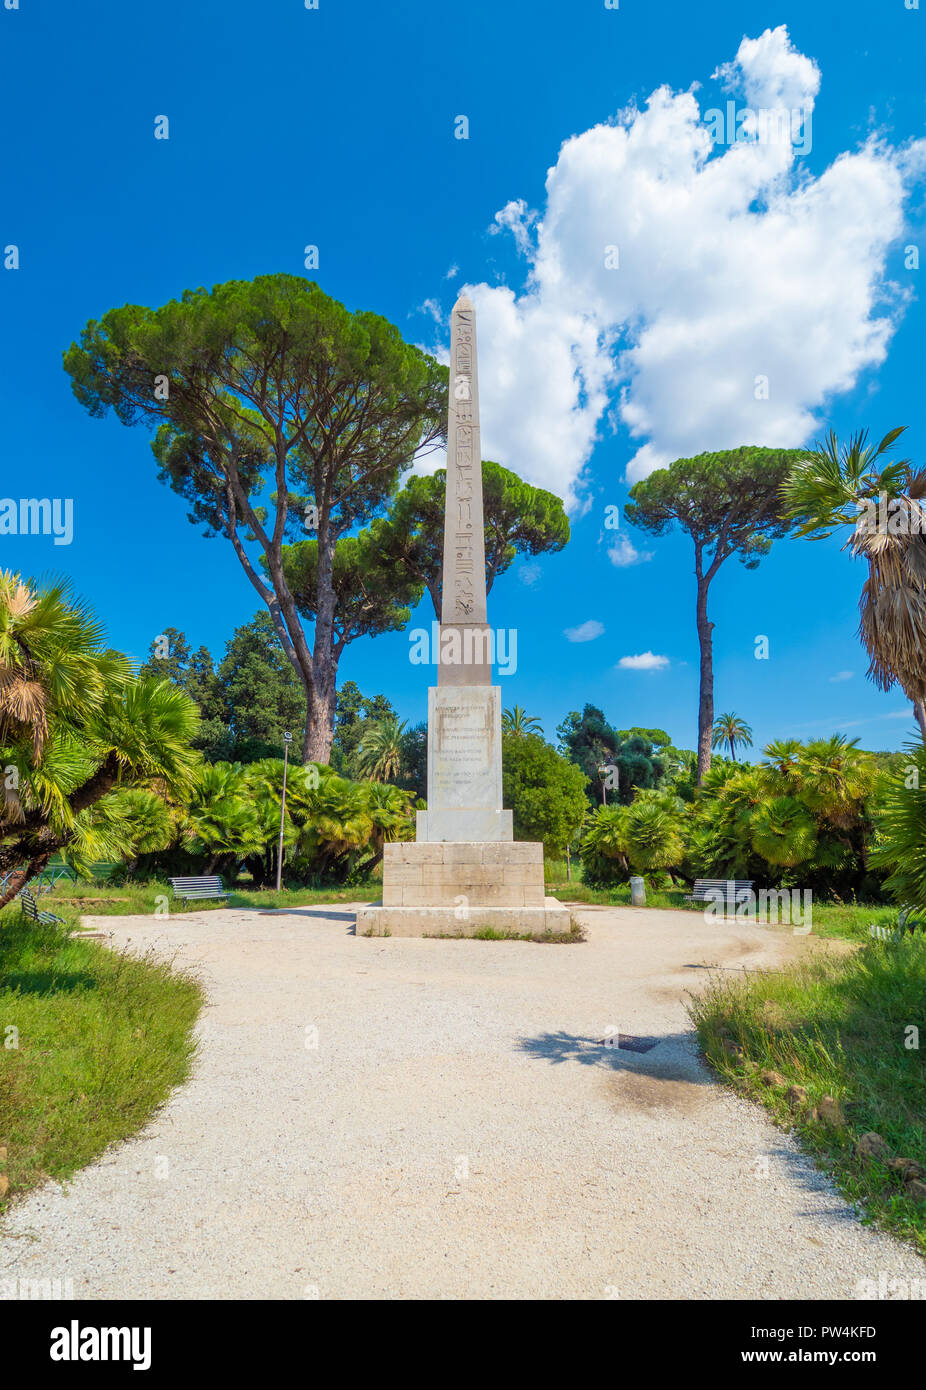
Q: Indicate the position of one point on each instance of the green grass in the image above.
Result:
(570, 937)
(848, 921)
(845, 921)
(68, 899)
(835, 1025)
(101, 1040)
(574, 934)
(619, 896)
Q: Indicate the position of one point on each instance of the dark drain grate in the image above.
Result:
(628, 1043)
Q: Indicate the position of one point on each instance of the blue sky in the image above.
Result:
(335, 127)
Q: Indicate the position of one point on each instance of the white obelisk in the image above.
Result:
(463, 872)
(464, 709)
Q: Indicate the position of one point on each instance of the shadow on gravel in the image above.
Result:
(307, 912)
(804, 1172)
(660, 1057)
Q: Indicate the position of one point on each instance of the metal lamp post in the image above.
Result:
(603, 771)
(287, 740)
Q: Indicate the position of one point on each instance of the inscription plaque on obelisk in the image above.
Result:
(464, 710)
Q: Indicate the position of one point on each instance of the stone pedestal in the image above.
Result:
(447, 888)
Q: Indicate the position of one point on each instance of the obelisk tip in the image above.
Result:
(464, 302)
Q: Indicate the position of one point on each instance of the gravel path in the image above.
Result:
(455, 1133)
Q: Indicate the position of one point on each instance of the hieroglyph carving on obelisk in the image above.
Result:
(463, 599)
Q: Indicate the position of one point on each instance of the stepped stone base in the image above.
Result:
(441, 921)
(459, 887)
(463, 874)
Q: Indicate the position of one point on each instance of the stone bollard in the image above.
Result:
(637, 892)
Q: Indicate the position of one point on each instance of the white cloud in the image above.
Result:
(644, 661)
(734, 263)
(432, 307)
(623, 553)
(585, 632)
(541, 386)
(452, 272)
(842, 676)
(517, 218)
(529, 573)
(771, 72)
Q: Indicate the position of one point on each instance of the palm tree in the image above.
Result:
(729, 729)
(783, 832)
(784, 756)
(900, 844)
(337, 825)
(391, 815)
(140, 736)
(52, 662)
(223, 820)
(644, 837)
(75, 726)
(123, 826)
(804, 805)
(379, 757)
(883, 504)
(263, 782)
(605, 839)
(654, 832)
(518, 722)
(834, 778)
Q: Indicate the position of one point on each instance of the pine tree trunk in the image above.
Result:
(319, 733)
(706, 693)
(319, 729)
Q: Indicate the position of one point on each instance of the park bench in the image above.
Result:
(206, 887)
(706, 890)
(30, 908)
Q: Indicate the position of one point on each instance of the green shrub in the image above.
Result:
(546, 792)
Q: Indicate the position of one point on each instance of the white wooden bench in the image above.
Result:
(204, 888)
